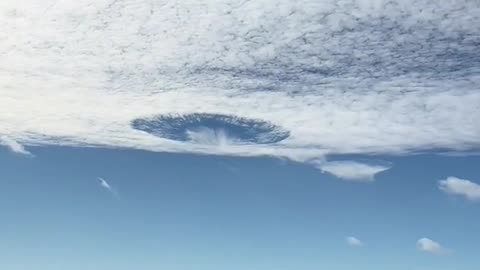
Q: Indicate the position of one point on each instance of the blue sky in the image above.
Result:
(180, 211)
(226, 134)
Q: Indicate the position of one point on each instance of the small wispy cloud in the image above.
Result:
(352, 170)
(14, 146)
(430, 246)
(354, 242)
(460, 187)
(208, 136)
(104, 184)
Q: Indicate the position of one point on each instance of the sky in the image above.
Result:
(336, 134)
(181, 211)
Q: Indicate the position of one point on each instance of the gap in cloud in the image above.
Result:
(211, 129)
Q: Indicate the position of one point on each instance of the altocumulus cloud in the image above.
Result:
(460, 187)
(355, 76)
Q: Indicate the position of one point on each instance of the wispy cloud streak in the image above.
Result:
(14, 146)
(104, 184)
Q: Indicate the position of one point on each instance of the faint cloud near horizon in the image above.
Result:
(14, 146)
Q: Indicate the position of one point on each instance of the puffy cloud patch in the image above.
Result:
(430, 246)
(460, 187)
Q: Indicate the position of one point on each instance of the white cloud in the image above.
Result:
(78, 72)
(462, 187)
(430, 246)
(354, 242)
(14, 146)
(104, 184)
(351, 170)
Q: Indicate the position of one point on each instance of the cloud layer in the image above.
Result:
(460, 187)
(355, 76)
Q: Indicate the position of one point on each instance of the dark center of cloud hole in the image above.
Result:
(204, 128)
